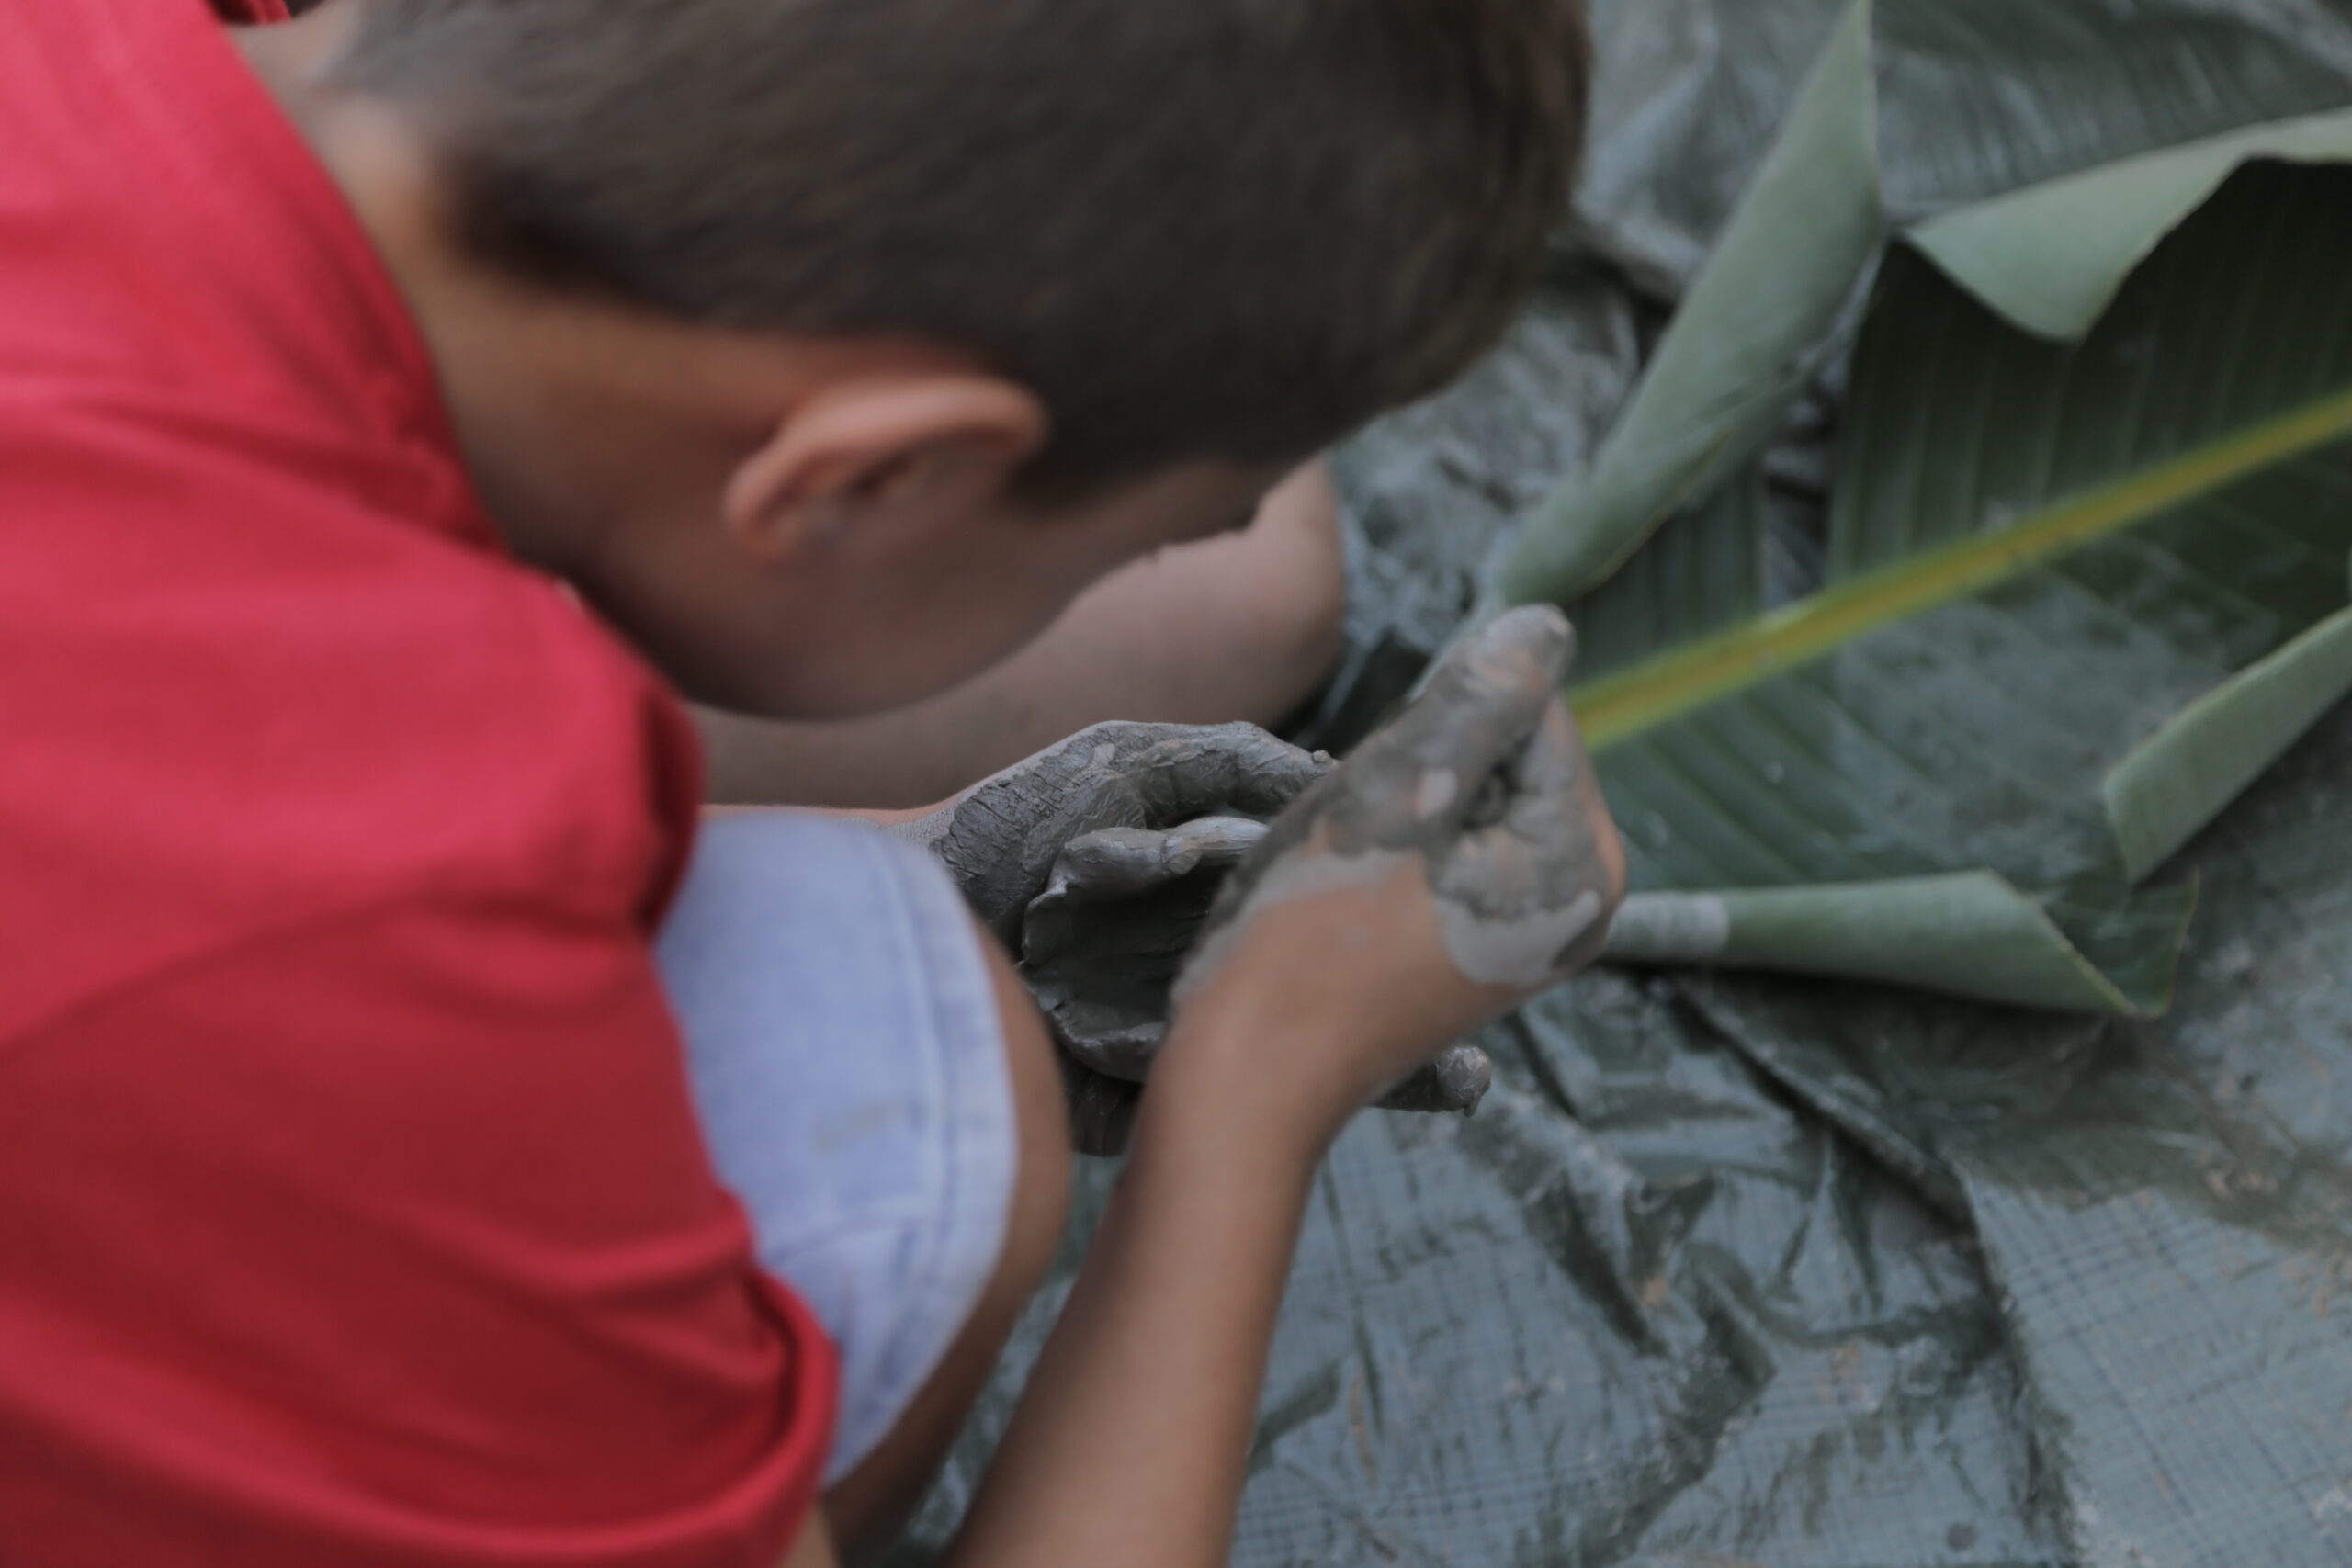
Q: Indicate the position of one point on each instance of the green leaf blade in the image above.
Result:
(2182, 777)
(1746, 338)
(2052, 257)
(1968, 934)
(2039, 553)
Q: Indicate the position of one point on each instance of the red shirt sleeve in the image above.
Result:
(390, 1244)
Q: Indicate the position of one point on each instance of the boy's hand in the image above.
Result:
(1002, 837)
(1101, 946)
(1461, 860)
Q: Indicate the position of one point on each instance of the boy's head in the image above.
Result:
(1042, 285)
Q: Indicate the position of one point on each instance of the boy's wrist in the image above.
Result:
(1227, 1143)
(1265, 1079)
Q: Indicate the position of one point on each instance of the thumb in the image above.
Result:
(1217, 768)
(1484, 701)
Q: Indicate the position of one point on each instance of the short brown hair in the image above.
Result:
(1196, 227)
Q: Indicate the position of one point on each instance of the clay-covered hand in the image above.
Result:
(1101, 946)
(1002, 837)
(1460, 861)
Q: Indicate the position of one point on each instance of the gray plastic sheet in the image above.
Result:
(1642, 1309)
(2164, 1209)
(1747, 1272)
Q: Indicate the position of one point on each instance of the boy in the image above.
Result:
(358, 373)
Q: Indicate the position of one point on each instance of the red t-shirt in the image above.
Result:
(353, 1211)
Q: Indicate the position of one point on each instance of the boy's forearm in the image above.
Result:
(1240, 626)
(1131, 1443)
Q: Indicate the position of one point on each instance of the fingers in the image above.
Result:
(1550, 796)
(1211, 843)
(1548, 767)
(1528, 898)
(1536, 636)
(1558, 804)
(1111, 863)
(1002, 837)
(1115, 1039)
(1120, 862)
(1133, 892)
(1220, 769)
(1478, 709)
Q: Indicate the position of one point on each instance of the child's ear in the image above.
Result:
(943, 442)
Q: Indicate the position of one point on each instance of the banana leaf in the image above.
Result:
(1976, 98)
(2051, 257)
(1982, 97)
(1749, 336)
(1765, 312)
(2178, 779)
(1687, 97)
(2038, 553)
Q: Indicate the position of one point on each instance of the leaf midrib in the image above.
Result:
(1620, 706)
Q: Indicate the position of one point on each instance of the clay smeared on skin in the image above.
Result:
(1002, 837)
(1440, 787)
(924, 833)
(1102, 944)
(1306, 877)
(1520, 952)
(1513, 864)
(1122, 867)
(1130, 900)
(1123, 861)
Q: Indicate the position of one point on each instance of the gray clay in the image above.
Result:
(1002, 837)
(1102, 946)
(1483, 780)
(1119, 861)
